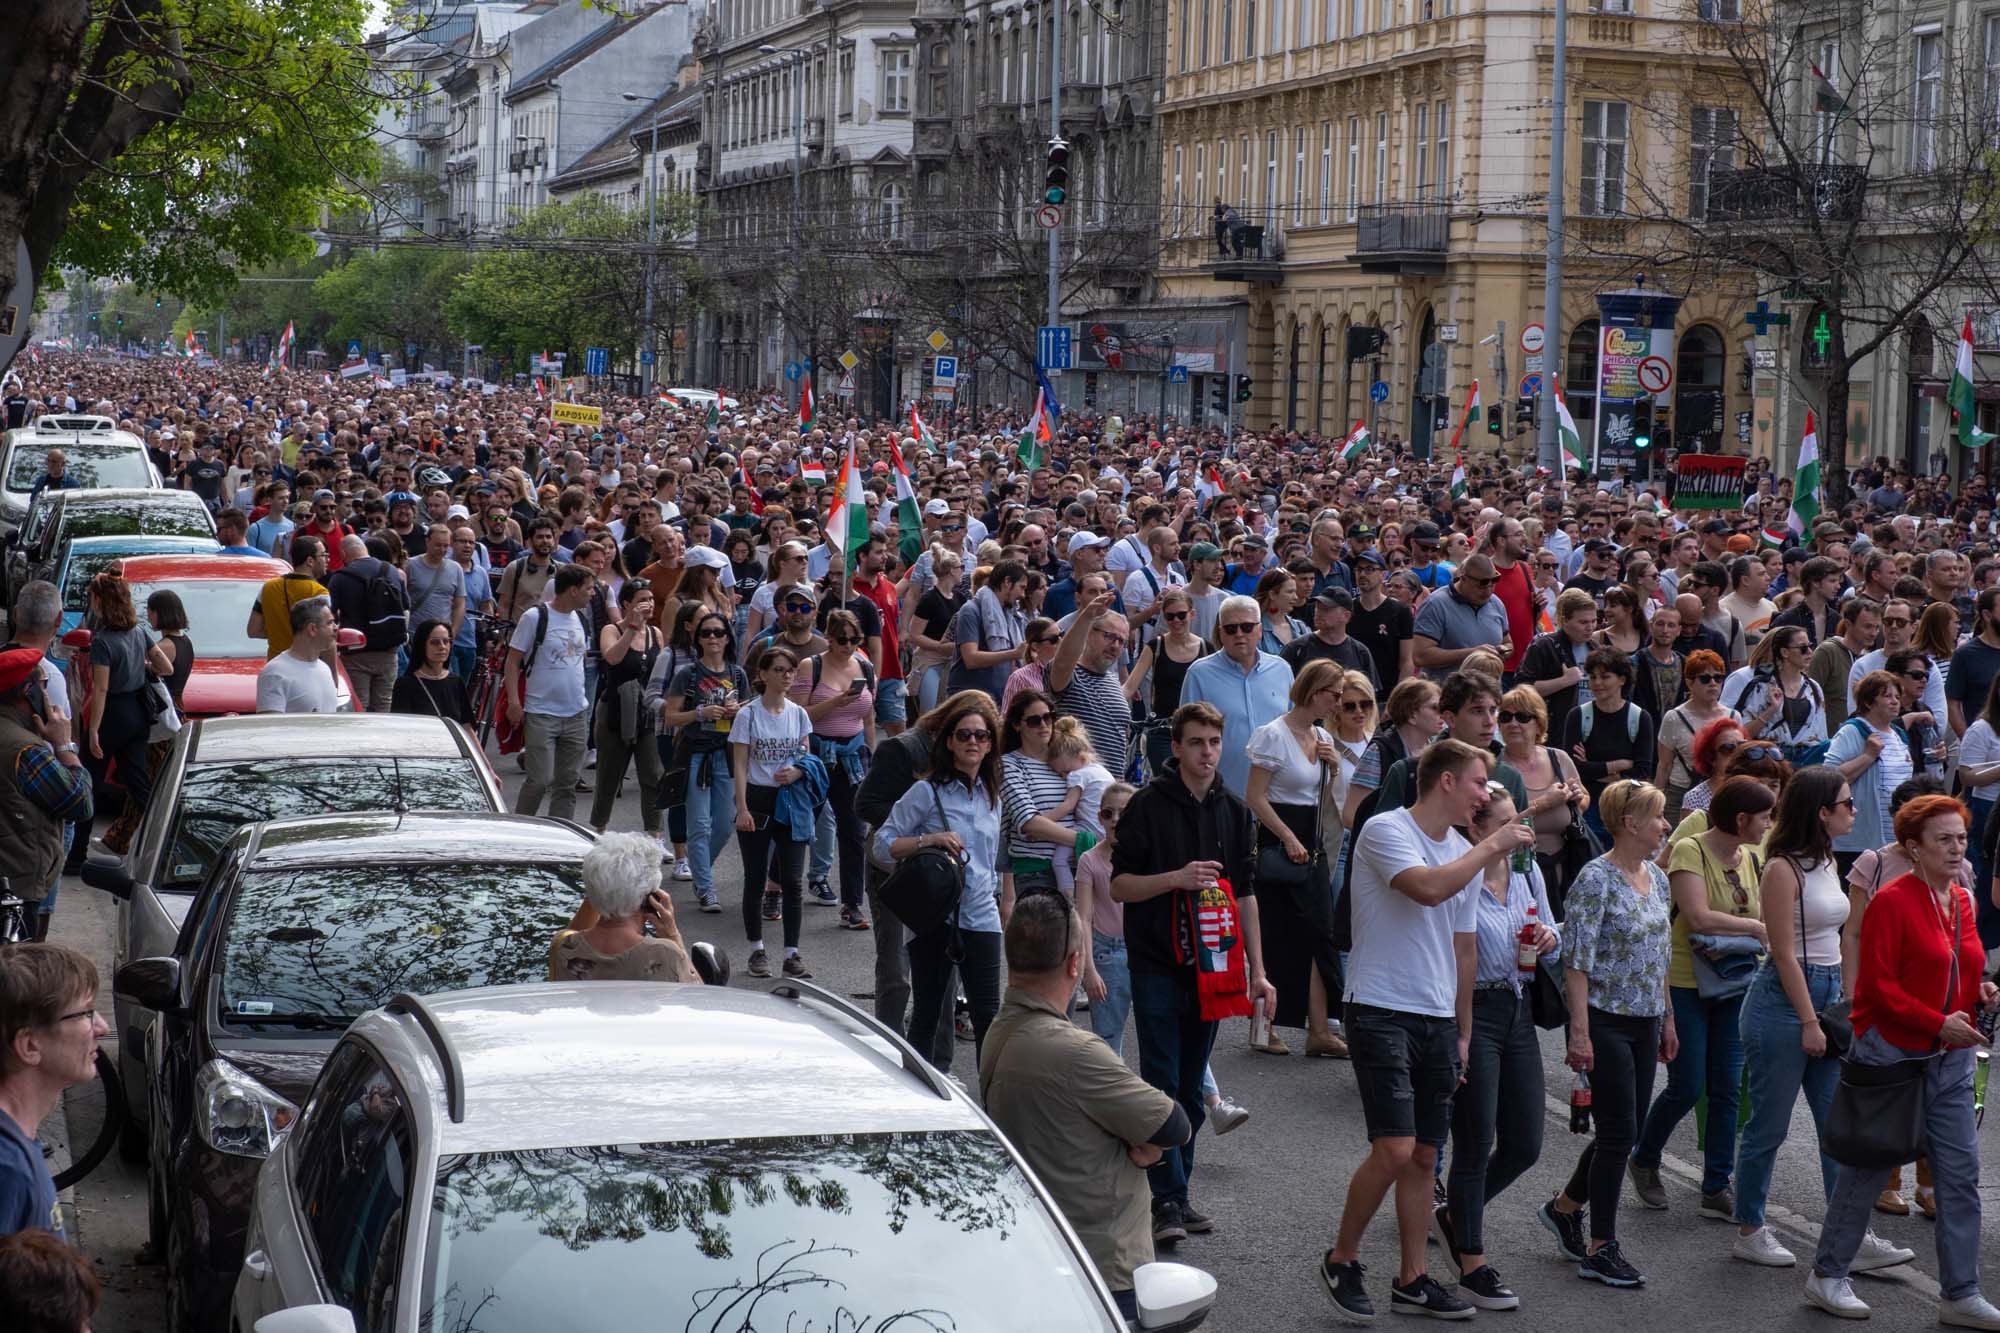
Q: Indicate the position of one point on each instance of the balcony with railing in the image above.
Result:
(1402, 238)
(1834, 192)
(1252, 250)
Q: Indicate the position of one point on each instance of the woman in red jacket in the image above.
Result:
(1917, 987)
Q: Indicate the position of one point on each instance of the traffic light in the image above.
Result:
(1642, 426)
(1218, 394)
(1242, 388)
(121, 321)
(156, 303)
(1055, 178)
(1493, 419)
(1524, 413)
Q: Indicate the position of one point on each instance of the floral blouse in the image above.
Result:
(1618, 939)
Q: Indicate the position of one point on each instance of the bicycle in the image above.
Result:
(488, 670)
(100, 1101)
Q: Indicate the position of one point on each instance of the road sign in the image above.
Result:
(646, 357)
(1052, 347)
(1655, 374)
(1177, 374)
(1447, 333)
(353, 349)
(1531, 386)
(596, 360)
(848, 361)
(1763, 358)
(1533, 339)
(1048, 217)
(938, 341)
(944, 370)
(1533, 361)
(794, 371)
(1379, 391)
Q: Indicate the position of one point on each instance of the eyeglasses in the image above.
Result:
(845, 640)
(1356, 705)
(1710, 678)
(798, 608)
(80, 1013)
(1736, 890)
(1846, 801)
(1545, 564)
(951, 527)
(1173, 615)
(1523, 718)
(1920, 676)
(1895, 620)
(1038, 720)
(713, 632)
(970, 735)
(1239, 627)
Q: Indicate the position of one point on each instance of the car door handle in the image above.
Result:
(257, 1264)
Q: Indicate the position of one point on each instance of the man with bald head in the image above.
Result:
(1694, 634)
(369, 596)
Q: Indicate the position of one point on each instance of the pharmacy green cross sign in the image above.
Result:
(1763, 317)
(1822, 335)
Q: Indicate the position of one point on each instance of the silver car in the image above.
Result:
(626, 1155)
(98, 454)
(225, 772)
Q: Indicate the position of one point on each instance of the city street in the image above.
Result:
(1274, 1188)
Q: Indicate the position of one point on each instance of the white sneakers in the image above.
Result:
(1761, 1247)
(1835, 1295)
(1972, 1311)
(1877, 1253)
(682, 870)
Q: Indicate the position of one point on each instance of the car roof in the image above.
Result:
(154, 568)
(290, 738)
(146, 542)
(570, 1064)
(385, 838)
(110, 495)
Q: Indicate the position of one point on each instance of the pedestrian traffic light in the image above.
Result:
(1055, 179)
(1242, 388)
(1218, 394)
(121, 321)
(1524, 413)
(1493, 419)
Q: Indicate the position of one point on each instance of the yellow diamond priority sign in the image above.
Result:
(938, 341)
(849, 360)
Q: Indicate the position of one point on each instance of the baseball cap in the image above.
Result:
(1255, 539)
(458, 511)
(1370, 558)
(1339, 599)
(1078, 541)
(1204, 551)
(1425, 532)
(1596, 544)
(791, 592)
(1717, 527)
(934, 507)
(323, 496)
(708, 556)
(394, 498)
(1364, 533)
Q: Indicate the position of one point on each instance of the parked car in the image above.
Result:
(218, 592)
(224, 772)
(84, 558)
(701, 398)
(624, 1155)
(304, 925)
(59, 517)
(96, 452)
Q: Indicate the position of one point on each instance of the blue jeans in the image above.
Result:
(1954, 1154)
(1778, 1069)
(1982, 873)
(930, 686)
(1108, 1015)
(822, 846)
(1173, 1056)
(1711, 1060)
(711, 818)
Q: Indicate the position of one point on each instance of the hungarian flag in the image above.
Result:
(813, 471)
(190, 342)
(541, 389)
(847, 520)
(1356, 443)
(756, 496)
(909, 522)
(920, 429)
(1566, 432)
(1961, 398)
(1208, 485)
(1825, 96)
(1471, 414)
(807, 413)
(1805, 483)
(1458, 474)
(1036, 436)
(1771, 537)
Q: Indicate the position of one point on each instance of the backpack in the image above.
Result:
(510, 736)
(1631, 723)
(867, 671)
(1343, 905)
(385, 610)
(1801, 754)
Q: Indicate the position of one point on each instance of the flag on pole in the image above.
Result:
(1566, 432)
(807, 413)
(541, 389)
(920, 429)
(1471, 411)
(1825, 96)
(743, 473)
(285, 346)
(1772, 537)
(1805, 483)
(1036, 436)
(715, 414)
(1356, 443)
(1208, 485)
(1961, 396)
(847, 520)
(909, 522)
(813, 471)
(190, 342)
(1458, 476)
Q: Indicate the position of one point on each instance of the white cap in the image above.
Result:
(458, 511)
(709, 556)
(1079, 541)
(938, 507)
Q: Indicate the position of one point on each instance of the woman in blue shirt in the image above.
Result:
(957, 808)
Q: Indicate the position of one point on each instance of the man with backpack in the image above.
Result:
(369, 597)
(543, 692)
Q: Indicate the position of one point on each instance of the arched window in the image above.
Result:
(893, 210)
(1580, 370)
(1698, 388)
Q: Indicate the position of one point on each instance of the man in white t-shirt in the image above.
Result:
(1409, 1012)
(298, 680)
(549, 647)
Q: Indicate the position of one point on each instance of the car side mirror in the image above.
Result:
(78, 638)
(1172, 1298)
(107, 873)
(350, 638)
(152, 983)
(710, 961)
(307, 1319)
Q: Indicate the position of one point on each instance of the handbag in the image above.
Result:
(1548, 1005)
(1836, 1017)
(1276, 870)
(1877, 1118)
(925, 887)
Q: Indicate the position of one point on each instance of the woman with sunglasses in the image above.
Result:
(1043, 640)
(1161, 666)
(837, 690)
(1777, 701)
(956, 808)
(1872, 751)
(1556, 794)
(787, 566)
(1718, 739)
(1702, 676)
(1413, 721)
(1714, 879)
(1931, 747)
(1030, 787)
(767, 738)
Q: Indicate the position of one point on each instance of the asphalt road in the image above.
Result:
(1274, 1187)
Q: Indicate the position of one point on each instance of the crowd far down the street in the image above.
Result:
(1097, 731)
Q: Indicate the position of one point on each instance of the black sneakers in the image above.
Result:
(1197, 1224)
(1567, 1228)
(1345, 1289)
(1169, 1226)
(1609, 1267)
(1425, 1297)
(1483, 1287)
(1441, 1229)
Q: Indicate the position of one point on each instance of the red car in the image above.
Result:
(217, 592)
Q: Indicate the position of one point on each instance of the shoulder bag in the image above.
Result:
(925, 887)
(1277, 870)
(1877, 1117)
(1836, 1018)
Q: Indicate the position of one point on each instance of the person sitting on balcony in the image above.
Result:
(1228, 230)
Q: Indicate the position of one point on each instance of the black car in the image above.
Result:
(302, 925)
(36, 550)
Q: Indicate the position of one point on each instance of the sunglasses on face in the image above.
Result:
(1845, 802)
(798, 608)
(1355, 705)
(972, 735)
(1038, 720)
(1522, 718)
(1895, 620)
(1710, 678)
(1240, 627)
(846, 640)
(712, 632)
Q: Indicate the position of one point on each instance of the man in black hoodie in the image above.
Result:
(1181, 834)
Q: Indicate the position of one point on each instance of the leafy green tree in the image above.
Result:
(174, 143)
(394, 296)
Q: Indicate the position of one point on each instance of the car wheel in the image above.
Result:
(180, 1317)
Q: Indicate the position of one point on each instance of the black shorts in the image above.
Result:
(1407, 1068)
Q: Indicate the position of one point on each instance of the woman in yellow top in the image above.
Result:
(1713, 877)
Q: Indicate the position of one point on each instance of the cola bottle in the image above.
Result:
(1579, 1105)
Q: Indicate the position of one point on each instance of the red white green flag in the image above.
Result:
(1356, 443)
(920, 429)
(909, 522)
(1963, 396)
(1037, 436)
(847, 520)
(1566, 432)
(807, 413)
(1471, 412)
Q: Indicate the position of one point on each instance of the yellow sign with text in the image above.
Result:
(576, 414)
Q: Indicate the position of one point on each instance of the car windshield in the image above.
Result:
(217, 612)
(332, 941)
(95, 466)
(122, 518)
(217, 799)
(86, 565)
(917, 1232)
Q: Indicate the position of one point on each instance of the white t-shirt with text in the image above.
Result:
(555, 681)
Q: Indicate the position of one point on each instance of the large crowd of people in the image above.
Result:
(1417, 758)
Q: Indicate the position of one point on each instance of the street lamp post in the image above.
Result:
(650, 365)
(798, 60)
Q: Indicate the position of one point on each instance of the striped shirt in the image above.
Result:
(1500, 924)
(1096, 699)
(1028, 787)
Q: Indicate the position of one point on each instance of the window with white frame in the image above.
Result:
(1381, 157)
(1298, 176)
(1243, 173)
(1826, 119)
(1200, 173)
(1359, 13)
(1271, 196)
(1222, 171)
(1926, 90)
(1174, 222)
(1388, 14)
(1330, 17)
(1303, 30)
(1711, 148)
(1353, 167)
(1441, 159)
(1604, 143)
(1325, 172)
(845, 93)
(1276, 44)
(893, 210)
(1422, 176)
(1990, 63)
(896, 79)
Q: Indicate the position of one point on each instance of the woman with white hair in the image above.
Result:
(607, 939)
